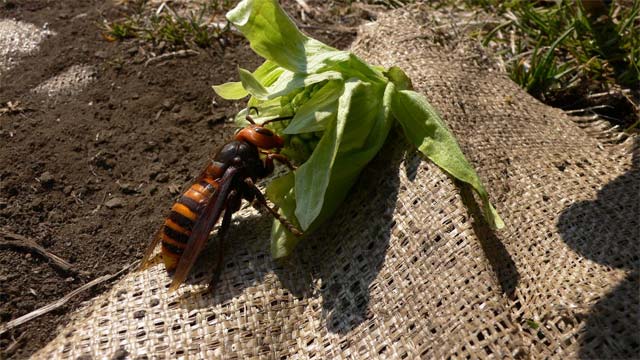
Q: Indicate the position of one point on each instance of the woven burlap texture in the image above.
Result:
(407, 268)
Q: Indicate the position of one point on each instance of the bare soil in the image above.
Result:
(90, 175)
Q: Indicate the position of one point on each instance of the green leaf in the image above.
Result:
(424, 128)
(269, 109)
(230, 90)
(360, 113)
(399, 78)
(289, 82)
(273, 35)
(268, 73)
(315, 114)
(280, 192)
(252, 85)
(312, 178)
(372, 124)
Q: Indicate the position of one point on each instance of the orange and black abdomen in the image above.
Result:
(177, 226)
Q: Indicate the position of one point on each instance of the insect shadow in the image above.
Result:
(606, 230)
(246, 263)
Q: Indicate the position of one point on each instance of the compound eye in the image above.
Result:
(263, 131)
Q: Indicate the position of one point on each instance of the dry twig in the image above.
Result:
(12, 108)
(58, 303)
(171, 55)
(21, 242)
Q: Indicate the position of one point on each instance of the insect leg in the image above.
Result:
(222, 232)
(261, 200)
(270, 156)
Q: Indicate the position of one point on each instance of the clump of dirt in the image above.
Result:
(89, 174)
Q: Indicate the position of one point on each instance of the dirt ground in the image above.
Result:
(88, 174)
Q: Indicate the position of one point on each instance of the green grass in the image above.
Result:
(563, 54)
(389, 4)
(193, 30)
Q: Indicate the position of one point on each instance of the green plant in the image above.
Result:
(120, 30)
(193, 30)
(562, 50)
(342, 110)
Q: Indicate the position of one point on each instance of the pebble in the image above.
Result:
(162, 177)
(167, 104)
(127, 188)
(174, 189)
(46, 178)
(115, 202)
(55, 217)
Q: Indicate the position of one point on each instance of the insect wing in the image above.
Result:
(200, 233)
(152, 245)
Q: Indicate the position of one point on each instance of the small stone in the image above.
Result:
(162, 177)
(67, 190)
(69, 279)
(46, 179)
(101, 54)
(36, 204)
(132, 51)
(55, 217)
(150, 145)
(174, 189)
(167, 104)
(127, 188)
(115, 202)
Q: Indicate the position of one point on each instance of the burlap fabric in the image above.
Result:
(407, 268)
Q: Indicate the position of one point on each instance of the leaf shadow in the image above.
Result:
(607, 230)
(327, 264)
(344, 257)
(499, 258)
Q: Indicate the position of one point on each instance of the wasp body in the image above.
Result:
(228, 178)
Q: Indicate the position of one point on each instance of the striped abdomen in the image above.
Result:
(178, 225)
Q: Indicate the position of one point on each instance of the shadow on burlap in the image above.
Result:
(408, 268)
